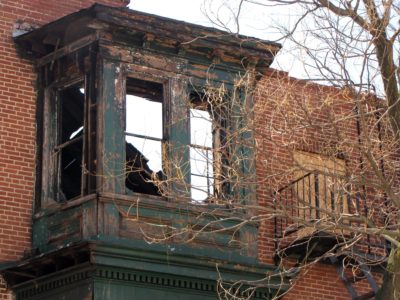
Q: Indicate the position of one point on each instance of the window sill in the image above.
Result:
(157, 203)
(164, 204)
(57, 206)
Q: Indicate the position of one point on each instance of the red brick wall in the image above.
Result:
(322, 282)
(17, 121)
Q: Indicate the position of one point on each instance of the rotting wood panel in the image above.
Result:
(172, 49)
(56, 207)
(172, 65)
(127, 219)
(242, 149)
(148, 228)
(65, 227)
(164, 220)
(247, 142)
(62, 223)
(48, 192)
(179, 138)
(91, 119)
(110, 129)
(111, 142)
(144, 58)
(156, 215)
(187, 33)
(89, 220)
(148, 32)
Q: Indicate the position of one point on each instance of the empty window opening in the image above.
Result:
(201, 151)
(69, 148)
(144, 136)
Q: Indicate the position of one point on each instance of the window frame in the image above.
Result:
(51, 133)
(171, 138)
(165, 102)
(219, 185)
(60, 145)
(210, 177)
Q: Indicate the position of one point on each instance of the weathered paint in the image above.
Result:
(49, 129)
(179, 139)
(110, 130)
(68, 49)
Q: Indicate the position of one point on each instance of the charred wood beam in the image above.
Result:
(67, 143)
(83, 42)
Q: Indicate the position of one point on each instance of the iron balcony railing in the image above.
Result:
(320, 200)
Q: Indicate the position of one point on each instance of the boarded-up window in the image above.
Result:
(320, 186)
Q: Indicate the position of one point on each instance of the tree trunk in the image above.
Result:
(390, 289)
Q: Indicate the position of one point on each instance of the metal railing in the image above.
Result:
(315, 196)
(321, 200)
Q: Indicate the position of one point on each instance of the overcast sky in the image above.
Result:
(185, 10)
(264, 21)
(256, 21)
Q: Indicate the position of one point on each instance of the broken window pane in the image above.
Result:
(70, 145)
(143, 136)
(150, 149)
